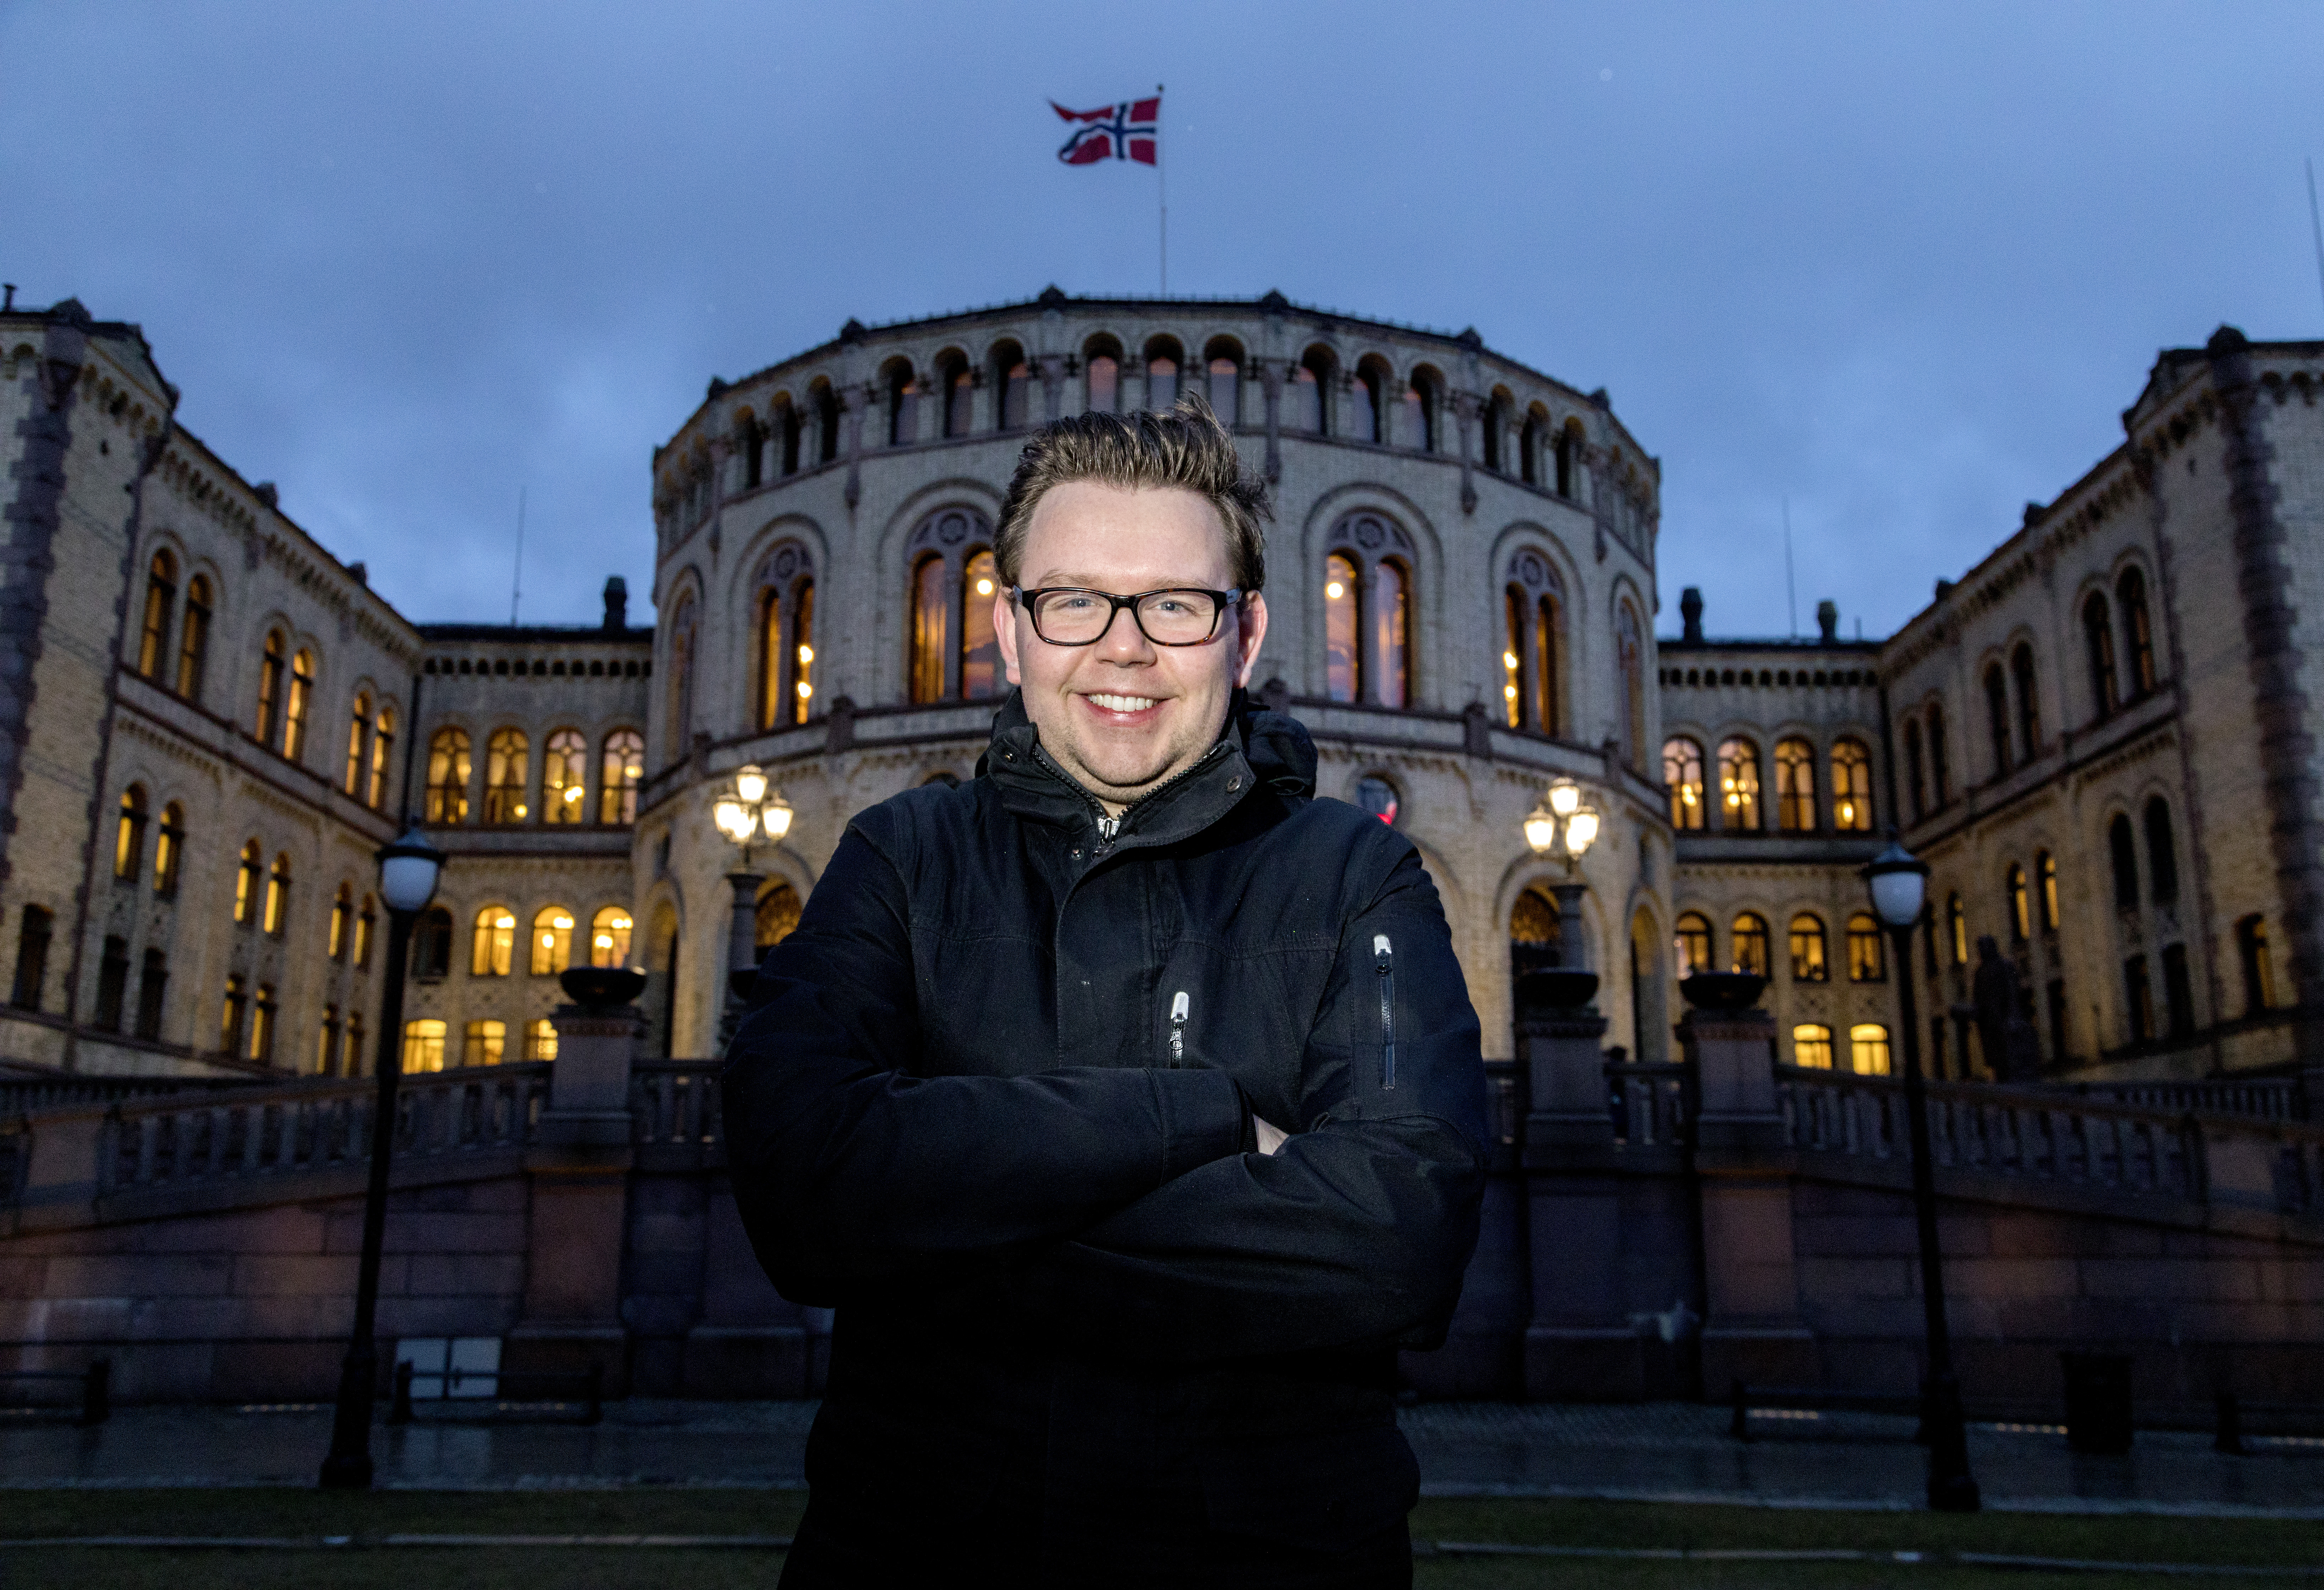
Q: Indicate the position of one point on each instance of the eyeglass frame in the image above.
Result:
(1223, 599)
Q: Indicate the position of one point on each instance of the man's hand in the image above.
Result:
(1270, 1137)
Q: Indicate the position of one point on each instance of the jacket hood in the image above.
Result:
(1273, 745)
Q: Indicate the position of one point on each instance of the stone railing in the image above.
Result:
(1652, 1104)
(2268, 1098)
(19, 1094)
(2029, 1136)
(674, 1105)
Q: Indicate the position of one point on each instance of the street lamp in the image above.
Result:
(408, 871)
(1562, 825)
(741, 815)
(1898, 880)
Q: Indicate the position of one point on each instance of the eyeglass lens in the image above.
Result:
(1168, 618)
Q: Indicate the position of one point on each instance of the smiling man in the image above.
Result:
(1125, 1102)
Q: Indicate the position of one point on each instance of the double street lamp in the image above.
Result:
(1898, 881)
(408, 871)
(742, 814)
(1562, 826)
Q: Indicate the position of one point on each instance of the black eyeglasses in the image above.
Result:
(1066, 615)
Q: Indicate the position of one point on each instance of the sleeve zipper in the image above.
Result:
(1384, 963)
(1178, 1027)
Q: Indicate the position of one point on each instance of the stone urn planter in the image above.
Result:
(1556, 988)
(601, 988)
(1722, 993)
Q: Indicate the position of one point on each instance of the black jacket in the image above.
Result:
(993, 1103)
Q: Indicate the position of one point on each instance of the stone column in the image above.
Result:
(1270, 377)
(1464, 410)
(741, 949)
(1052, 367)
(1579, 1344)
(578, 1168)
(1754, 1331)
(853, 398)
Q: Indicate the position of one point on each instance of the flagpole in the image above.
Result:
(1162, 187)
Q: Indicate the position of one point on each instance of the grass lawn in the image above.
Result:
(368, 1561)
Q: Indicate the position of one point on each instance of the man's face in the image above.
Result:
(1123, 714)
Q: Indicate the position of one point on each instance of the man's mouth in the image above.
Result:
(1120, 708)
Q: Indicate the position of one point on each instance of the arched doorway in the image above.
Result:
(778, 914)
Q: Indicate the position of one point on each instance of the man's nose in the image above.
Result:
(1123, 641)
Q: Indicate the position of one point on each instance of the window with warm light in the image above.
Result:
(366, 920)
(1811, 1046)
(448, 771)
(1367, 599)
(129, 835)
(194, 637)
(622, 768)
(161, 603)
(1533, 920)
(786, 637)
(1851, 787)
(298, 704)
(1513, 673)
(343, 911)
(564, 777)
(609, 937)
(248, 879)
(484, 1044)
(1796, 792)
(1533, 644)
(271, 658)
(1738, 784)
(980, 649)
(1808, 962)
(278, 897)
(508, 768)
(358, 727)
(955, 652)
(493, 946)
(1691, 941)
(1342, 678)
(169, 850)
(552, 941)
(1683, 775)
(1867, 1049)
(1750, 945)
(2045, 870)
(383, 751)
(1866, 953)
(2021, 904)
(541, 1040)
(1957, 926)
(778, 914)
(423, 1046)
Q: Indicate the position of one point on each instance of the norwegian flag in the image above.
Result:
(1130, 130)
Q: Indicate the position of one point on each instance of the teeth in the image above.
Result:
(1123, 703)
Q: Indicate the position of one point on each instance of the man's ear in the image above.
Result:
(1251, 632)
(1004, 634)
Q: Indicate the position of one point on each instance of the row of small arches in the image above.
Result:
(1768, 678)
(508, 796)
(540, 667)
(493, 940)
(1749, 948)
(1739, 804)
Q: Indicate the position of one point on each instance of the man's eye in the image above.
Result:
(1072, 603)
(1173, 606)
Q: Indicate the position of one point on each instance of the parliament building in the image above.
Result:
(2101, 736)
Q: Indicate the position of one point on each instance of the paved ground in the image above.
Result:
(1656, 1452)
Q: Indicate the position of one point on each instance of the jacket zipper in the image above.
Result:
(1384, 963)
(1109, 829)
(1178, 1027)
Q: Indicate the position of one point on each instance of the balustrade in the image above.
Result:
(1653, 1104)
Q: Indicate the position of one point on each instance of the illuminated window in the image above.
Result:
(2097, 641)
(1378, 797)
(1534, 921)
(929, 625)
(265, 1013)
(1866, 953)
(541, 1040)
(1682, 773)
(1851, 787)
(508, 767)
(423, 1046)
(2021, 904)
(2259, 972)
(448, 776)
(1341, 675)
(161, 602)
(552, 941)
(1750, 934)
(1368, 613)
(1738, 784)
(367, 919)
(2130, 590)
(1957, 925)
(247, 878)
(1811, 1046)
(485, 1043)
(493, 945)
(786, 638)
(300, 703)
(1693, 941)
(343, 911)
(778, 914)
(609, 937)
(169, 850)
(955, 653)
(564, 777)
(2046, 868)
(129, 836)
(1796, 794)
(383, 750)
(194, 638)
(230, 1019)
(1514, 703)
(980, 650)
(270, 687)
(1808, 962)
(1390, 596)
(358, 726)
(1532, 656)
(623, 767)
(1867, 1049)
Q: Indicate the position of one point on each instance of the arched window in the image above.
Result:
(326, 1041)
(1163, 359)
(955, 654)
(778, 914)
(508, 767)
(1867, 961)
(492, 948)
(278, 896)
(1314, 376)
(270, 661)
(1630, 661)
(1867, 1049)
(383, 753)
(1851, 787)
(1529, 446)
(564, 777)
(1012, 379)
(1738, 784)
(1682, 772)
(787, 428)
(1496, 425)
(249, 876)
(423, 1046)
(1957, 926)
(2098, 639)
(2259, 972)
(2161, 852)
(1415, 425)
(351, 1053)
(541, 1040)
(827, 421)
(2123, 849)
(1940, 789)
(2130, 590)
(2021, 904)
(485, 1043)
(1751, 936)
(682, 641)
(367, 919)
(1692, 940)
(621, 770)
(194, 637)
(343, 912)
(169, 850)
(1222, 360)
(955, 388)
(609, 937)
(2029, 701)
(129, 838)
(2046, 869)
(1808, 962)
(1811, 1046)
(161, 603)
(300, 703)
(552, 941)
(1100, 376)
(431, 943)
(1915, 774)
(1367, 612)
(1568, 459)
(1796, 794)
(1534, 923)
(1533, 655)
(448, 776)
(751, 442)
(1367, 418)
(903, 401)
(1996, 717)
(265, 1013)
(358, 725)
(237, 1001)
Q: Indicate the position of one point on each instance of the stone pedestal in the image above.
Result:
(578, 1167)
(1754, 1331)
(1579, 1345)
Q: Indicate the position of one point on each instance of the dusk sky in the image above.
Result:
(1903, 264)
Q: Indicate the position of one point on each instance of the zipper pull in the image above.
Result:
(1178, 1027)
(1384, 963)
(1107, 829)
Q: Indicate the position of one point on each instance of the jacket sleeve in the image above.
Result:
(848, 1168)
(1356, 1232)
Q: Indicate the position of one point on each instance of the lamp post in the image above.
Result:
(741, 815)
(1562, 825)
(408, 871)
(1897, 880)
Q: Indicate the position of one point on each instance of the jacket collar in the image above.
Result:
(1257, 747)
